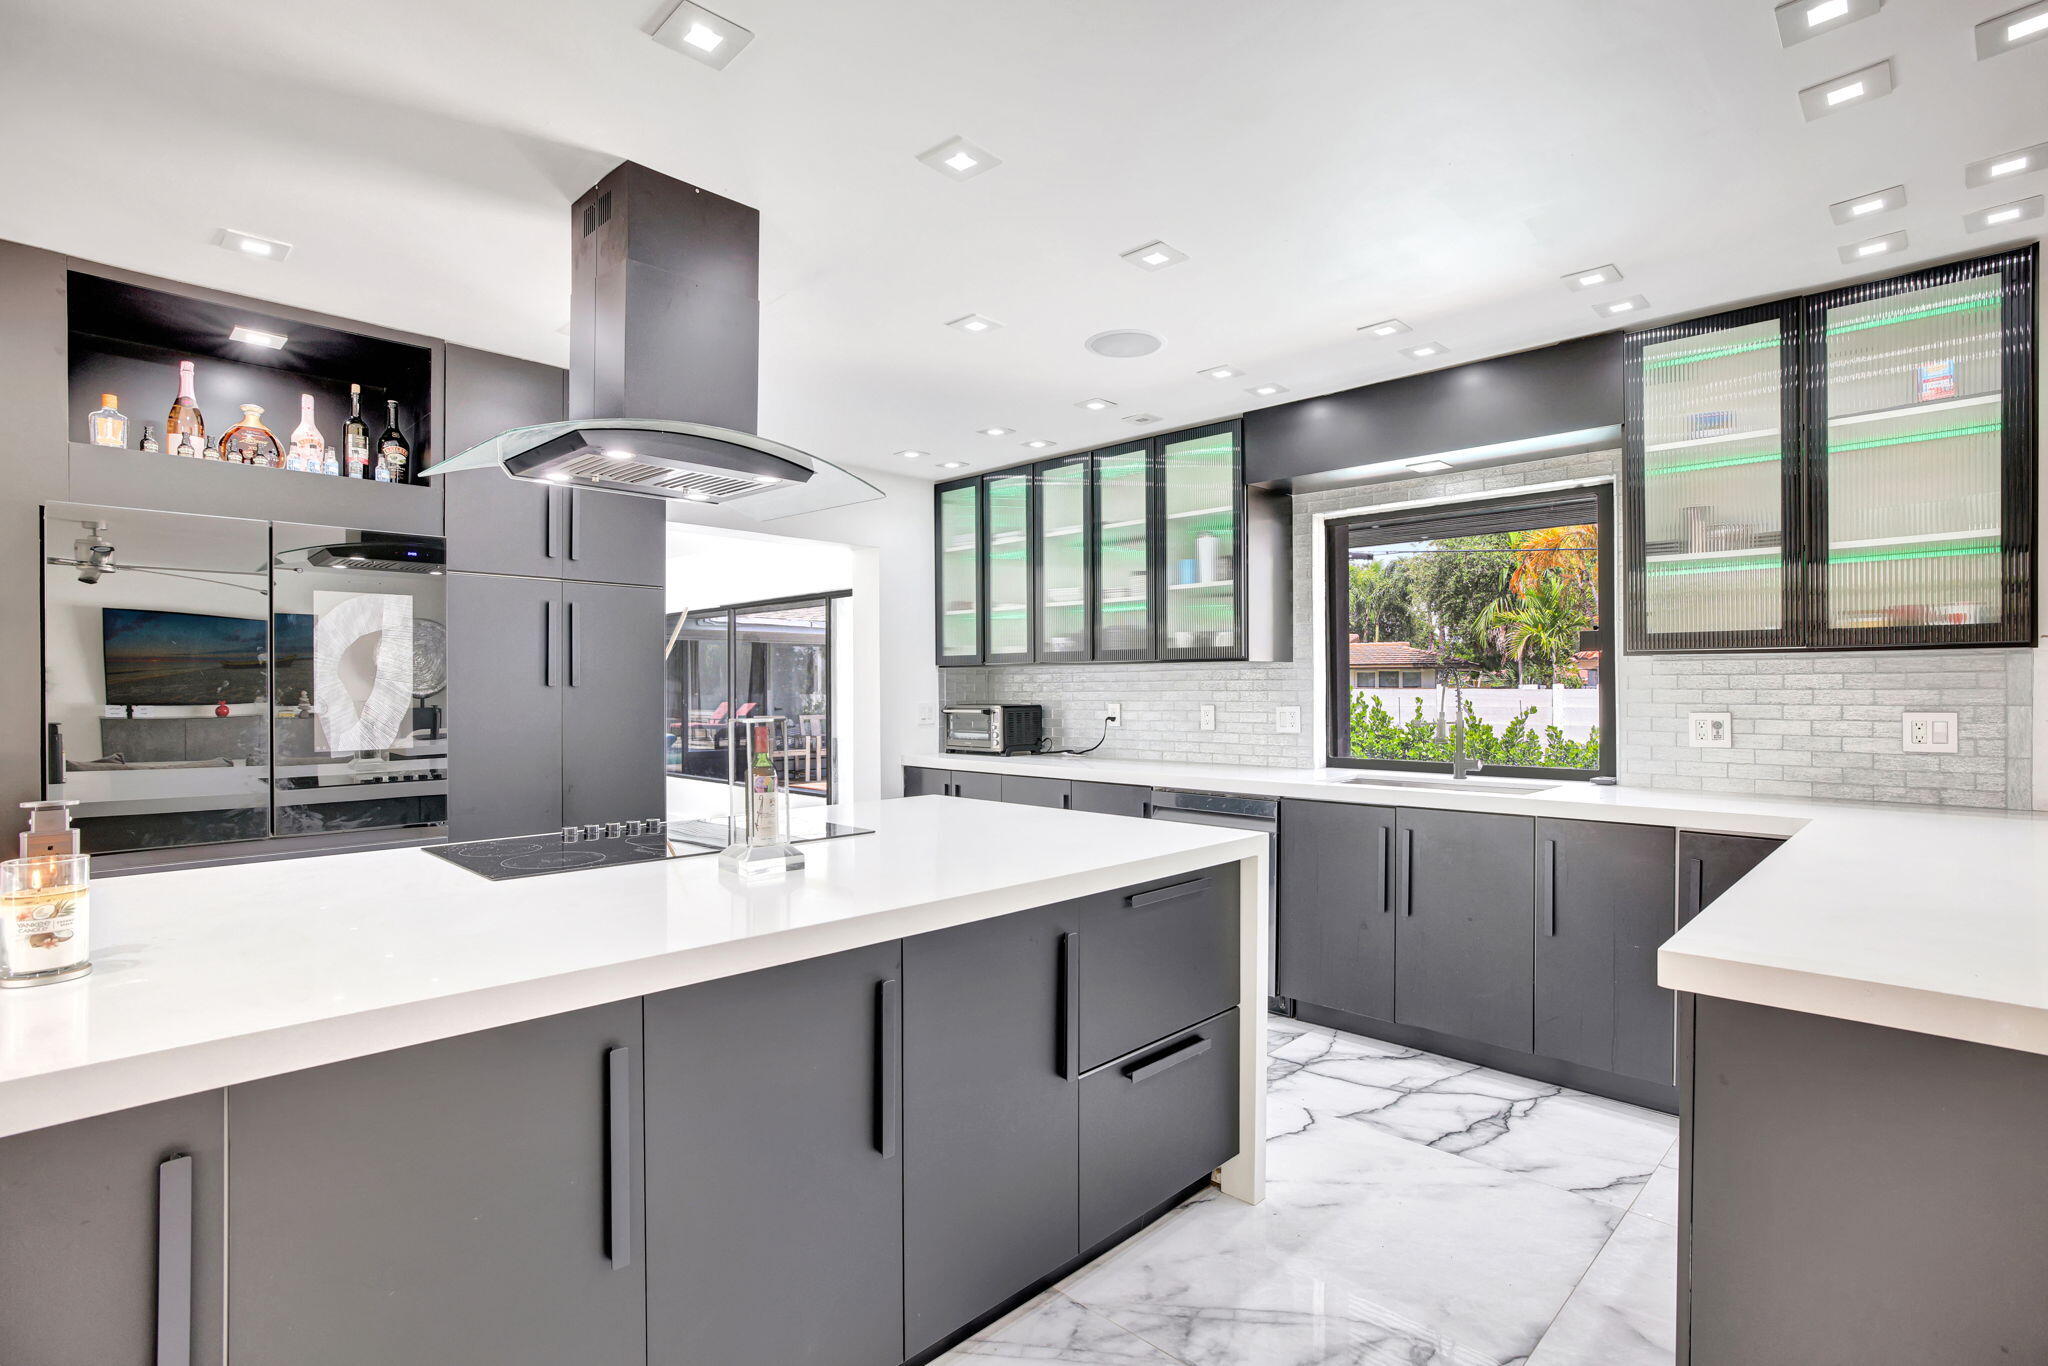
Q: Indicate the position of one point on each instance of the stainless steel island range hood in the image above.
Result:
(665, 322)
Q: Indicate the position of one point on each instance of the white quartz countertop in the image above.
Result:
(208, 977)
(1917, 918)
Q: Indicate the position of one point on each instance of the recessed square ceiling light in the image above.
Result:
(1843, 92)
(1866, 205)
(913, 455)
(1634, 303)
(2003, 215)
(1423, 352)
(257, 337)
(1593, 277)
(1429, 466)
(696, 32)
(952, 464)
(1799, 20)
(2027, 24)
(249, 244)
(1037, 445)
(974, 324)
(1391, 327)
(1221, 372)
(2006, 165)
(959, 159)
(997, 431)
(1155, 256)
(1142, 419)
(1267, 390)
(1891, 244)
(1096, 405)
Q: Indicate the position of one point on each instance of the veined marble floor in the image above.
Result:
(1418, 1210)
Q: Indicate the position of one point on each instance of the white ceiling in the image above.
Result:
(1325, 163)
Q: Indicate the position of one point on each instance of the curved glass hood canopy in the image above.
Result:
(668, 458)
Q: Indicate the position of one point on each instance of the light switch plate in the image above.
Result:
(1709, 730)
(1928, 732)
(1287, 720)
(927, 713)
(1208, 716)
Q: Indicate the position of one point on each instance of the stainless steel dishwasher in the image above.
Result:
(1260, 814)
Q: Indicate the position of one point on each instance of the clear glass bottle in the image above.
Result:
(149, 441)
(185, 429)
(309, 449)
(355, 437)
(393, 452)
(107, 426)
(43, 919)
(249, 442)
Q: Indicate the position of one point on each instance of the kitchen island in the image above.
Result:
(374, 1107)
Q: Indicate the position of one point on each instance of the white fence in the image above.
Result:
(1575, 711)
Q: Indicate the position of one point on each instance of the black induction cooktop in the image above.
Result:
(609, 846)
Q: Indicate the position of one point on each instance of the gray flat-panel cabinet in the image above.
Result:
(1155, 958)
(470, 1202)
(1464, 885)
(612, 712)
(1053, 792)
(496, 524)
(1709, 865)
(990, 1115)
(775, 1167)
(1113, 799)
(986, 787)
(926, 782)
(505, 683)
(946, 782)
(614, 538)
(1603, 904)
(1336, 913)
(110, 1239)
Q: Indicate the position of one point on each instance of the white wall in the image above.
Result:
(886, 626)
(714, 566)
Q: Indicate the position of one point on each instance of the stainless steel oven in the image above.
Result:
(994, 728)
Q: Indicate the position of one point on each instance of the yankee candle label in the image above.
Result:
(45, 930)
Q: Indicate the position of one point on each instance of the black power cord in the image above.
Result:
(1090, 750)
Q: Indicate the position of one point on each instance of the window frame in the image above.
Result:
(1336, 628)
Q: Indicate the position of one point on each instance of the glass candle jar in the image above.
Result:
(43, 919)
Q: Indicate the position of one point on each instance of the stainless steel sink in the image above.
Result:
(1518, 787)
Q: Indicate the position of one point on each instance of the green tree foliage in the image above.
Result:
(1540, 631)
(1451, 593)
(1375, 734)
(1381, 607)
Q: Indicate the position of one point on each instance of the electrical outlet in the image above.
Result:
(1928, 732)
(1208, 716)
(927, 713)
(1709, 730)
(1287, 720)
(1113, 714)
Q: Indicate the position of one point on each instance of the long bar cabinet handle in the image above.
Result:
(1070, 1005)
(1546, 883)
(618, 1090)
(174, 1261)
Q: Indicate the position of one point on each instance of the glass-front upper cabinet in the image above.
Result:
(1920, 468)
(1063, 568)
(1123, 536)
(1201, 605)
(1006, 513)
(959, 572)
(1713, 418)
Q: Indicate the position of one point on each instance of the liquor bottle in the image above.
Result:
(355, 436)
(249, 442)
(765, 821)
(149, 441)
(393, 454)
(185, 429)
(106, 424)
(309, 448)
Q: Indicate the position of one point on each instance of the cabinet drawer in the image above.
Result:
(1155, 958)
(1053, 792)
(1155, 1121)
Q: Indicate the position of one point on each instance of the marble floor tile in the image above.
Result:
(1624, 1311)
(1053, 1328)
(1280, 1031)
(1369, 1249)
(1659, 1199)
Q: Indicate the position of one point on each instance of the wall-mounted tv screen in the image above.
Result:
(191, 659)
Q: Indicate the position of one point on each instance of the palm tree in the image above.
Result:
(1567, 552)
(1546, 623)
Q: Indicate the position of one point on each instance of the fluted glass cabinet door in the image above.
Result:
(1007, 632)
(959, 571)
(1920, 451)
(1200, 605)
(1713, 420)
(1123, 542)
(1062, 540)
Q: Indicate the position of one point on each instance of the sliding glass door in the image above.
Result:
(753, 660)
